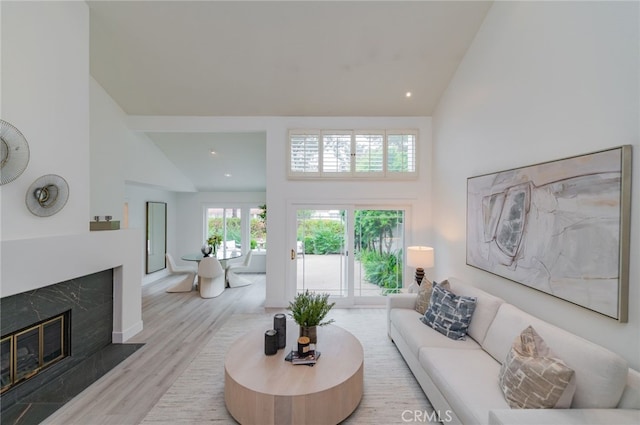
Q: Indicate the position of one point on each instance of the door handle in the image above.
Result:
(293, 254)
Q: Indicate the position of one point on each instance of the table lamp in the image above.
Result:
(420, 257)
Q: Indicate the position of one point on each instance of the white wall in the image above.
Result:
(542, 81)
(145, 163)
(119, 155)
(45, 94)
(108, 142)
(126, 167)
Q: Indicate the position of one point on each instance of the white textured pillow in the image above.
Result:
(531, 377)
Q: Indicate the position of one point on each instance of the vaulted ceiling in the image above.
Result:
(277, 58)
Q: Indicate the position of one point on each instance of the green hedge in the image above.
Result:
(383, 270)
(321, 236)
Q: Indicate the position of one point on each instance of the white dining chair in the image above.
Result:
(188, 273)
(233, 269)
(210, 277)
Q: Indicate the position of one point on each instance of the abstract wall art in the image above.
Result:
(561, 227)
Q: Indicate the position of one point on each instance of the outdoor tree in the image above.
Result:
(375, 229)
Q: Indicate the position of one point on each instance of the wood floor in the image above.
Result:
(176, 328)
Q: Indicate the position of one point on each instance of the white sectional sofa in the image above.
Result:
(461, 378)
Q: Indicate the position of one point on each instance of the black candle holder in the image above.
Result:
(304, 346)
(270, 342)
(280, 325)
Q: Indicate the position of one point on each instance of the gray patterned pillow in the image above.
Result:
(531, 377)
(424, 294)
(448, 313)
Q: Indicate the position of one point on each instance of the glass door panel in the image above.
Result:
(378, 246)
(321, 261)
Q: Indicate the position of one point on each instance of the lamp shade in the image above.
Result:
(420, 256)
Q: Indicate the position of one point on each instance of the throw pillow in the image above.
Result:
(532, 377)
(424, 294)
(448, 313)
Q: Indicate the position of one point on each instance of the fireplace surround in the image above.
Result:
(89, 272)
(86, 305)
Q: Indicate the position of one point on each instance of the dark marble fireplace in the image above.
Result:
(86, 303)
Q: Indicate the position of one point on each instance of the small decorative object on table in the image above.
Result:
(206, 250)
(295, 358)
(308, 310)
(303, 346)
(270, 342)
(214, 241)
(280, 325)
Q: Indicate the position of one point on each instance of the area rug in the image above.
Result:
(391, 393)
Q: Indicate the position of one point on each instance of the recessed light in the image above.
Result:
(227, 175)
(212, 152)
(408, 94)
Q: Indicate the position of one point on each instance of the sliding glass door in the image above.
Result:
(355, 254)
(378, 251)
(321, 255)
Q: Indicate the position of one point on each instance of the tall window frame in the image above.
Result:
(352, 154)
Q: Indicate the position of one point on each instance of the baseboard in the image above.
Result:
(121, 337)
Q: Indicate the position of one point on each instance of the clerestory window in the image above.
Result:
(352, 154)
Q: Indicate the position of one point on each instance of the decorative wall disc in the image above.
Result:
(14, 153)
(47, 195)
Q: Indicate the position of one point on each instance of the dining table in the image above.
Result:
(221, 255)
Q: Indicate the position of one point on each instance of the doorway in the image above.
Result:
(354, 253)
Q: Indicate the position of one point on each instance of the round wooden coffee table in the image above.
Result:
(260, 389)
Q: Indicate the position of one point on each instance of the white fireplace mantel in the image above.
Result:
(28, 264)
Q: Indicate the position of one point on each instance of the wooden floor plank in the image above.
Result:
(176, 328)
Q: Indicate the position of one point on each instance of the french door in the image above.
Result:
(351, 252)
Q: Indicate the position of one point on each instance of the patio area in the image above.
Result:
(322, 273)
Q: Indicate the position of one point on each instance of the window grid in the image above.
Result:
(305, 153)
(369, 150)
(401, 153)
(352, 154)
(336, 152)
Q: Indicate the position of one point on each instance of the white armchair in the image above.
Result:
(210, 277)
(188, 273)
(233, 269)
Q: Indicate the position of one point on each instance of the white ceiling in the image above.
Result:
(237, 165)
(286, 58)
